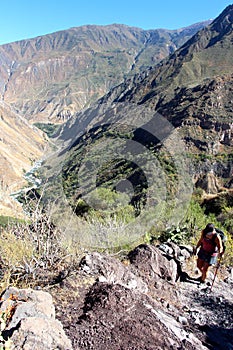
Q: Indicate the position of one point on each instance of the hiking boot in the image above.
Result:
(199, 279)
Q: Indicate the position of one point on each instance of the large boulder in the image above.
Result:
(151, 264)
(31, 323)
(108, 269)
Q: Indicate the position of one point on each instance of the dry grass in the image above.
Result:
(35, 253)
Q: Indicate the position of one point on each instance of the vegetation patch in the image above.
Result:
(48, 128)
(8, 220)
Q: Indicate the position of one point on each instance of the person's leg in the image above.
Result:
(205, 268)
(200, 264)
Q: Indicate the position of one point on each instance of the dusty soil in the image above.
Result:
(101, 316)
(209, 310)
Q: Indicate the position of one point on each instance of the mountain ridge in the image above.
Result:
(47, 79)
(53, 76)
(170, 67)
(192, 89)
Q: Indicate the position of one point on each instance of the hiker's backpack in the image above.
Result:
(223, 238)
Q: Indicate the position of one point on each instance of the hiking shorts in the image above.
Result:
(211, 259)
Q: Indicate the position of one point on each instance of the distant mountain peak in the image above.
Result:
(218, 30)
(224, 21)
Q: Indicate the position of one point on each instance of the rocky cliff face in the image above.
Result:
(50, 78)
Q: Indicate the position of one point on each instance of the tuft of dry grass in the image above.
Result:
(14, 250)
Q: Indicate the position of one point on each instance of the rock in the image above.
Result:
(209, 183)
(186, 251)
(108, 305)
(46, 334)
(166, 314)
(229, 278)
(183, 320)
(151, 264)
(126, 319)
(166, 249)
(108, 269)
(115, 317)
(179, 253)
(33, 322)
(29, 304)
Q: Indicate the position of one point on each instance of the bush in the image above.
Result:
(105, 199)
(104, 204)
(33, 252)
(228, 256)
(177, 235)
(14, 250)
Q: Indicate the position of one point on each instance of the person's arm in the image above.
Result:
(198, 244)
(218, 241)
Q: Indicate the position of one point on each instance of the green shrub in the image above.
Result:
(175, 234)
(228, 255)
(104, 203)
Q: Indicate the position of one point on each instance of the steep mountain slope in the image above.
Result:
(52, 77)
(192, 90)
(20, 145)
(203, 63)
(207, 54)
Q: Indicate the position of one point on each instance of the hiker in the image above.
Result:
(210, 245)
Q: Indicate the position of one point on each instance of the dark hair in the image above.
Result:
(209, 228)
